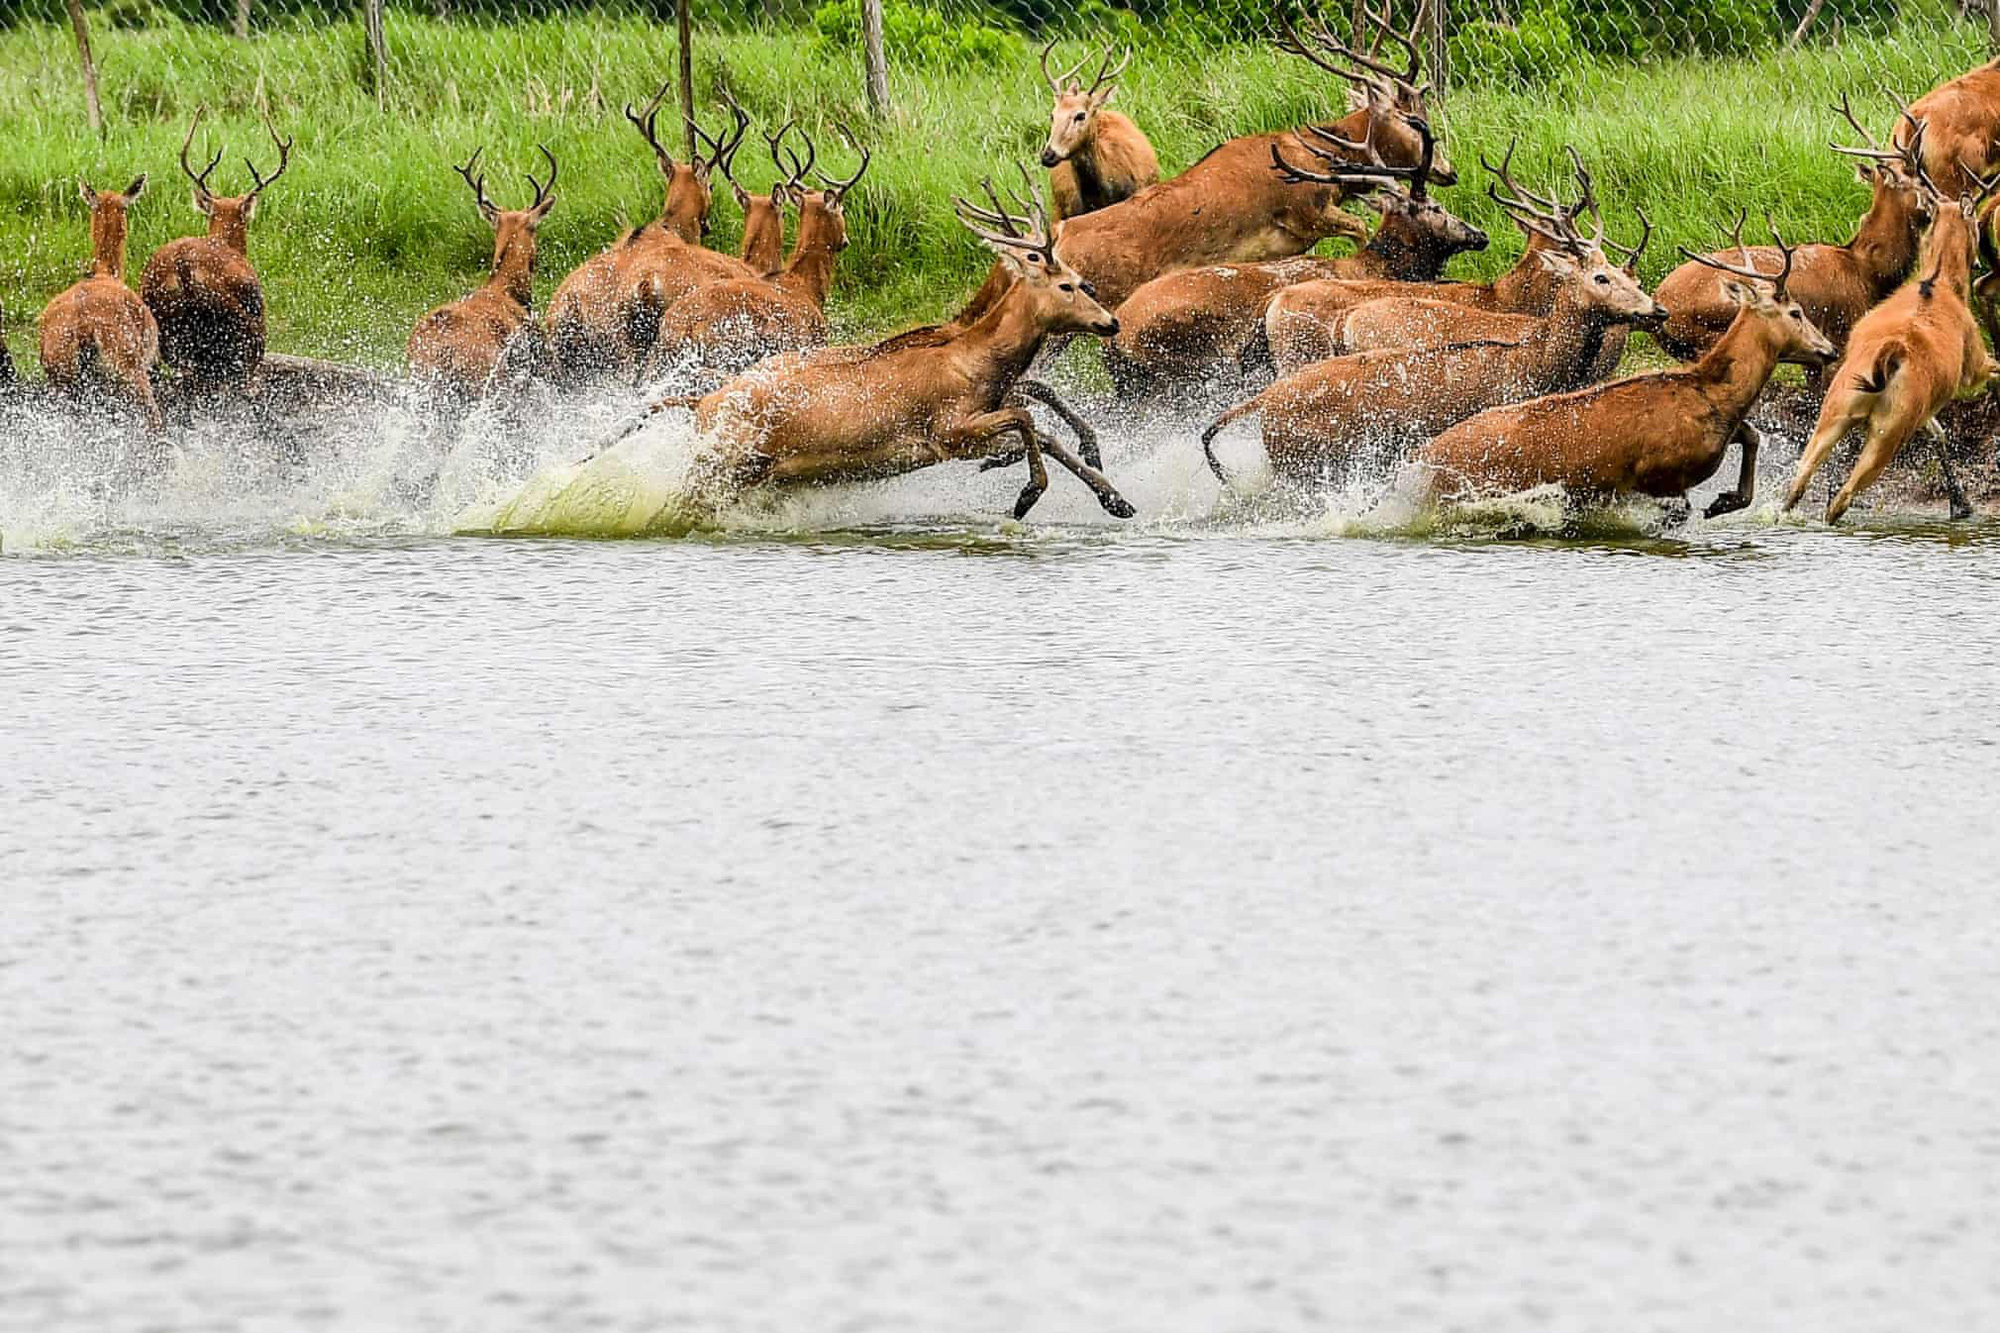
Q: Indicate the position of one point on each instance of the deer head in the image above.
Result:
(689, 184)
(822, 219)
(1765, 298)
(107, 224)
(1407, 209)
(1060, 299)
(1895, 175)
(1074, 118)
(1582, 265)
(513, 230)
(1385, 91)
(229, 218)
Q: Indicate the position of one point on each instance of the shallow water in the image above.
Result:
(878, 915)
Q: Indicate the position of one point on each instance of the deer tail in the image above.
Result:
(1215, 427)
(1889, 358)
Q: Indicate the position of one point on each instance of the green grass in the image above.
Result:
(370, 228)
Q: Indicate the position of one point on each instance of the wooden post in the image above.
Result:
(687, 77)
(1432, 16)
(878, 62)
(92, 106)
(1805, 22)
(378, 46)
(1993, 28)
(243, 20)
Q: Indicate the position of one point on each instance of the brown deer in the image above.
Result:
(202, 289)
(735, 323)
(1095, 156)
(1421, 320)
(98, 336)
(1230, 207)
(763, 250)
(605, 315)
(1329, 415)
(1963, 141)
(1655, 434)
(1301, 321)
(1906, 359)
(1180, 329)
(932, 396)
(1835, 284)
(490, 339)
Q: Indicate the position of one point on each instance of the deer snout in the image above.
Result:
(1653, 317)
(1050, 157)
(1106, 327)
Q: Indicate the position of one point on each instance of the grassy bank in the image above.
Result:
(370, 228)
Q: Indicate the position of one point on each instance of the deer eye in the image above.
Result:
(1079, 117)
(1068, 287)
(1603, 281)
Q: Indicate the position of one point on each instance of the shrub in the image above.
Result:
(916, 35)
(1541, 47)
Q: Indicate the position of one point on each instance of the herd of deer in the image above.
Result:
(1193, 282)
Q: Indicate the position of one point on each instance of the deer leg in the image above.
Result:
(986, 426)
(1825, 436)
(1961, 508)
(1877, 452)
(1746, 478)
(1100, 486)
(1086, 438)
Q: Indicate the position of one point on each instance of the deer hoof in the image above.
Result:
(1116, 505)
(1726, 503)
(1029, 494)
(1093, 457)
(998, 461)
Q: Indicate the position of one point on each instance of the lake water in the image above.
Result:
(880, 916)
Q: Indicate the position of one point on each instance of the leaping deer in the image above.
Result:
(1656, 434)
(931, 396)
(1962, 145)
(1907, 358)
(733, 324)
(605, 316)
(1096, 157)
(98, 335)
(202, 289)
(489, 339)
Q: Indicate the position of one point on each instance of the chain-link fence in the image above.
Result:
(1680, 105)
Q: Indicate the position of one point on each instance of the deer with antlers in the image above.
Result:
(1656, 434)
(1329, 415)
(202, 289)
(1962, 145)
(98, 336)
(763, 250)
(1835, 284)
(1302, 323)
(931, 396)
(1095, 156)
(1179, 329)
(1230, 207)
(733, 324)
(1908, 357)
(605, 316)
(489, 340)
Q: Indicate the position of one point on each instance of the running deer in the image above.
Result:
(1835, 284)
(1180, 329)
(489, 339)
(1095, 156)
(733, 324)
(98, 337)
(763, 250)
(1963, 141)
(1301, 322)
(605, 315)
(202, 289)
(1656, 434)
(1230, 207)
(1335, 413)
(931, 396)
(1421, 319)
(1906, 359)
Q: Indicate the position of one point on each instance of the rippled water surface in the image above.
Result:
(881, 916)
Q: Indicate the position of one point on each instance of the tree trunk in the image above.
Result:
(687, 76)
(378, 46)
(877, 61)
(243, 19)
(1805, 22)
(91, 104)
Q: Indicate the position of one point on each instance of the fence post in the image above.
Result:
(243, 19)
(1433, 19)
(91, 104)
(878, 63)
(378, 45)
(1993, 28)
(687, 75)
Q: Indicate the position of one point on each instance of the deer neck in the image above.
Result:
(1007, 336)
(107, 243)
(810, 269)
(686, 206)
(1522, 287)
(1885, 242)
(1735, 370)
(1572, 335)
(763, 235)
(230, 228)
(1947, 252)
(514, 270)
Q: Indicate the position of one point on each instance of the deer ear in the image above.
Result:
(1739, 291)
(1865, 172)
(250, 208)
(1556, 262)
(540, 211)
(201, 204)
(135, 189)
(89, 195)
(1101, 98)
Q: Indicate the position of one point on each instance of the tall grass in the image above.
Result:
(370, 227)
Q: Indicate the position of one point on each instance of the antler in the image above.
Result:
(542, 190)
(1406, 40)
(1328, 40)
(478, 182)
(1018, 233)
(200, 180)
(1749, 269)
(647, 123)
(1631, 261)
(799, 169)
(1106, 73)
(725, 145)
(284, 157)
(839, 188)
(1874, 149)
(1057, 82)
(1290, 42)
(1371, 166)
